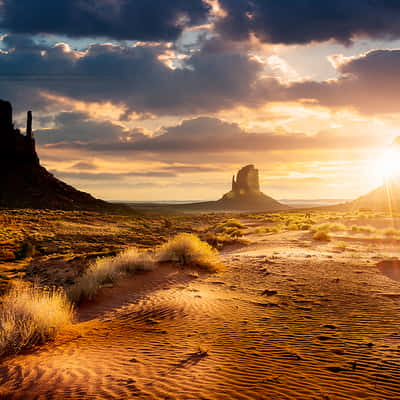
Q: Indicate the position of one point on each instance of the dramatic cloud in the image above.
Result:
(70, 127)
(118, 19)
(210, 135)
(369, 83)
(283, 21)
(217, 77)
(297, 21)
(211, 79)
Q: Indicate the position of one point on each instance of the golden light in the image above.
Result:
(389, 165)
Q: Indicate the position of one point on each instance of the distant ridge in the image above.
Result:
(385, 198)
(24, 183)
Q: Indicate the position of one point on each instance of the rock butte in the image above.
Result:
(246, 194)
(24, 183)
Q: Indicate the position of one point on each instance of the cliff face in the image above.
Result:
(16, 149)
(247, 181)
(24, 183)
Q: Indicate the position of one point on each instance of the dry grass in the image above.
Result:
(329, 227)
(229, 224)
(340, 245)
(188, 250)
(133, 260)
(108, 270)
(31, 315)
(363, 229)
(322, 236)
(225, 233)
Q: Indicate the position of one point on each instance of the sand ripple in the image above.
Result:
(285, 330)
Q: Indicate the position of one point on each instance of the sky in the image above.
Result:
(165, 100)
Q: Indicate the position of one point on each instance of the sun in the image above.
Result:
(389, 164)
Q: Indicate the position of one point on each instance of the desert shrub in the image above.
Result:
(228, 224)
(322, 236)
(298, 226)
(220, 240)
(31, 315)
(304, 227)
(27, 249)
(391, 232)
(293, 227)
(108, 270)
(328, 227)
(270, 229)
(363, 229)
(273, 218)
(234, 232)
(340, 245)
(133, 260)
(188, 250)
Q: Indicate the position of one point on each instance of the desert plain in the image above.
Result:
(307, 306)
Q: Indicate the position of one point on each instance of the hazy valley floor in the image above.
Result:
(289, 319)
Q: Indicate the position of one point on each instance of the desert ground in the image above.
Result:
(306, 308)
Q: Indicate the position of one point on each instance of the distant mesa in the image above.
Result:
(24, 183)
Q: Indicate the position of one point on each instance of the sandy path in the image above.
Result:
(285, 321)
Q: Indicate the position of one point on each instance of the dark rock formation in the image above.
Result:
(246, 183)
(24, 183)
(246, 194)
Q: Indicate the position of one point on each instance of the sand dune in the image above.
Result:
(285, 321)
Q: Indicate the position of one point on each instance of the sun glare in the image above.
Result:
(389, 164)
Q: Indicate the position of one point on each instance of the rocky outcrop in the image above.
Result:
(24, 183)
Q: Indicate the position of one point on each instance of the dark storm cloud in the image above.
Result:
(118, 19)
(305, 21)
(133, 76)
(219, 76)
(283, 21)
(70, 127)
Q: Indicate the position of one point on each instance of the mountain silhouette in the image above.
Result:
(24, 183)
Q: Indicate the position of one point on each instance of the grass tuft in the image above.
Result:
(322, 236)
(31, 315)
(188, 250)
(108, 270)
